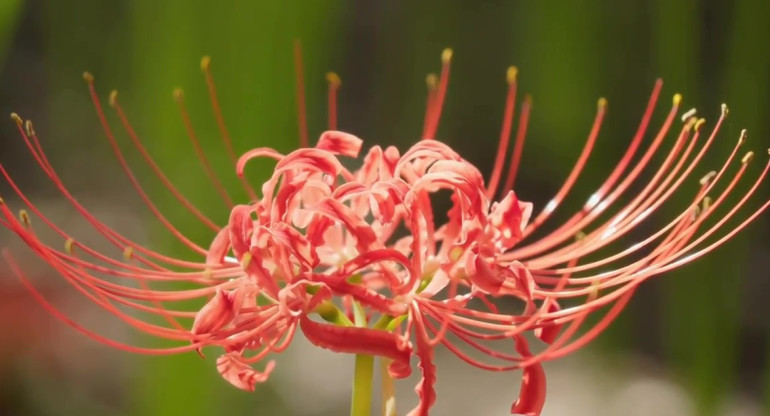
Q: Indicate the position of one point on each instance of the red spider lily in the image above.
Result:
(320, 240)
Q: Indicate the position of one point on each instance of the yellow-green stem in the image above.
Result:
(361, 400)
(388, 389)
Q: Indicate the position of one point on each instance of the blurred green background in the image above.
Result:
(706, 324)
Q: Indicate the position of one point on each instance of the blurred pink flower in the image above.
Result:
(323, 241)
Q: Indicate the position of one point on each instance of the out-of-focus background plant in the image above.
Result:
(694, 342)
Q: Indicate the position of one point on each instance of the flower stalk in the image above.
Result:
(363, 374)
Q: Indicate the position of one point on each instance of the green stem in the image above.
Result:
(388, 389)
(361, 401)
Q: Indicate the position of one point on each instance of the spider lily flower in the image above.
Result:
(321, 248)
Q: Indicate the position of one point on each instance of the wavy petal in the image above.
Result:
(241, 375)
(532, 392)
(356, 340)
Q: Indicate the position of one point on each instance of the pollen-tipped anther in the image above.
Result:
(706, 203)
(113, 98)
(68, 245)
(446, 55)
(688, 114)
(15, 117)
(205, 62)
(747, 158)
(601, 103)
(432, 81)
(30, 129)
(245, 260)
(706, 179)
(88, 77)
(699, 123)
(677, 99)
(511, 74)
(24, 218)
(128, 253)
(333, 79)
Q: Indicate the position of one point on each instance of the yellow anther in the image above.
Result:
(744, 135)
(511, 74)
(602, 103)
(446, 55)
(747, 158)
(580, 236)
(707, 178)
(208, 274)
(699, 123)
(677, 99)
(205, 62)
(2, 201)
(88, 77)
(245, 260)
(706, 203)
(725, 110)
(178, 94)
(432, 81)
(15, 117)
(455, 253)
(333, 79)
(68, 245)
(113, 97)
(24, 217)
(689, 114)
(29, 128)
(128, 253)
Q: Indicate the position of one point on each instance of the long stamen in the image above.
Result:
(334, 84)
(576, 170)
(597, 203)
(130, 174)
(443, 83)
(622, 222)
(111, 235)
(179, 98)
(431, 82)
(224, 134)
(518, 148)
(505, 131)
(154, 166)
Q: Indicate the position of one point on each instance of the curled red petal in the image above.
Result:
(509, 217)
(548, 332)
(485, 276)
(532, 393)
(241, 375)
(356, 340)
(424, 388)
(241, 227)
(255, 153)
(340, 143)
(217, 312)
(219, 247)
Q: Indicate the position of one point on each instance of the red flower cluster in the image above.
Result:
(323, 247)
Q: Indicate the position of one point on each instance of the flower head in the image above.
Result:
(358, 261)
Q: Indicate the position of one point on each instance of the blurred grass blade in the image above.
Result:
(10, 11)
